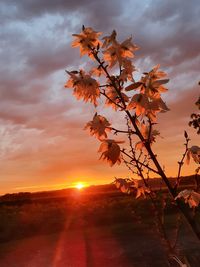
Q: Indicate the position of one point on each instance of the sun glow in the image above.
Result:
(80, 186)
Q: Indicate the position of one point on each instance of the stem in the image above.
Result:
(156, 211)
(120, 131)
(109, 77)
(180, 205)
(180, 163)
(160, 171)
(153, 201)
(172, 191)
(103, 93)
(127, 165)
(132, 148)
(135, 160)
(150, 129)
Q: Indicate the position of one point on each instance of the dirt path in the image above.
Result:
(69, 249)
(120, 245)
(94, 247)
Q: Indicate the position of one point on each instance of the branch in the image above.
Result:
(103, 93)
(104, 85)
(129, 137)
(120, 131)
(131, 146)
(101, 63)
(150, 128)
(160, 171)
(127, 165)
(135, 160)
(181, 162)
(160, 224)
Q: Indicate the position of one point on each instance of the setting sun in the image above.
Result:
(79, 185)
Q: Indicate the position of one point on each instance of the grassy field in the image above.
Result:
(98, 226)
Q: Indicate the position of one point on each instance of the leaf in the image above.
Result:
(190, 196)
(133, 86)
(193, 152)
(141, 191)
(123, 185)
(110, 151)
(160, 82)
(98, 126)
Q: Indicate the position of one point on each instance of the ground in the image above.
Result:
(87, 231)
(94, 247)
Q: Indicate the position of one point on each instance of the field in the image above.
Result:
(94, 227)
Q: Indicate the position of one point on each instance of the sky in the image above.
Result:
(42, 142)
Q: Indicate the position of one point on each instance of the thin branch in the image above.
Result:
(101, 63)
(104, 85)
(120, 131)
(127, 165)
(135, 160)
(129, 137)
(181, 162)
(153, 157)
(131, 145)
(150, 129)
(103, 93)
(160, 224)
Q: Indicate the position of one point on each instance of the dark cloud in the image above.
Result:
(171, 31)
(92, 11)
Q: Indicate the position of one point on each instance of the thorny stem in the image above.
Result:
(156, 211)
(129, 137)
(121, 131)
(180, 163)
(153, 201)
(140, 155)
(127, 165)
(131, 146)
(170, 249)
(141, 163)
(150, 128)
(153, 157)
(180, 205)
(155, 207)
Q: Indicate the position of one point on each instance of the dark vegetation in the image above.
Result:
(129, 220)
(27, 214)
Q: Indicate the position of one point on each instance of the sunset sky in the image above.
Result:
(42, 142)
